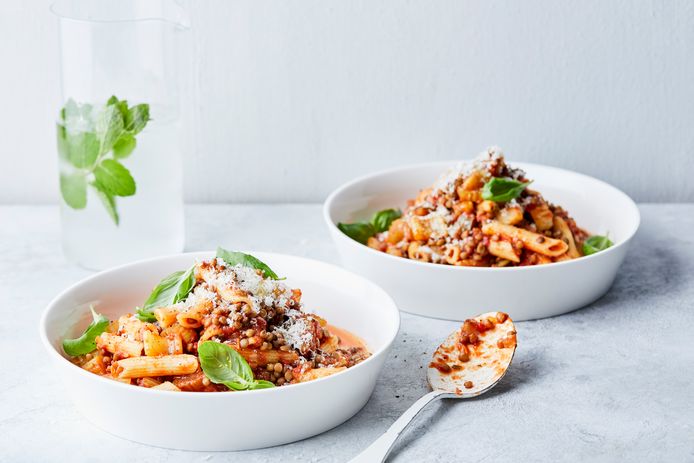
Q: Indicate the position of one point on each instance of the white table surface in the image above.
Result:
(613, 381)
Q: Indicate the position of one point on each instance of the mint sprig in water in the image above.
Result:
(94, 140)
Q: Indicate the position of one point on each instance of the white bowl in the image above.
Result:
(457, 293)
(234, 420)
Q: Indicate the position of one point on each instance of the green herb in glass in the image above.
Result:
(501, 190)
(223, 365)
(86, 343)
(94, 141)
(595, 244)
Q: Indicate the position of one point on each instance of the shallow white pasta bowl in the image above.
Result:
(233, 420)
(457, 293)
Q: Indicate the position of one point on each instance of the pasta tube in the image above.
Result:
(534, 241)
(167, 365)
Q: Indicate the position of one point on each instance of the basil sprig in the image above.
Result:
(501, 190)
(172, 289)
(87, 136)
(223, 365)
(238, 258)
(86, 343)
(595, 244)
(362, 231)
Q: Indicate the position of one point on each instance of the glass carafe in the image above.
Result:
(120, 130)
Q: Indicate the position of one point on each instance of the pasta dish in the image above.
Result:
(228, 323)
(482, 213)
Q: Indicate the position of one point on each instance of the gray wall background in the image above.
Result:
(290, 99)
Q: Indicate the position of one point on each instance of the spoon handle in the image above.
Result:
(380, 448)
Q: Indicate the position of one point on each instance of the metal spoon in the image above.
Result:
(470, 362)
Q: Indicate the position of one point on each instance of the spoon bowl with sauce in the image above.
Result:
(470, 362)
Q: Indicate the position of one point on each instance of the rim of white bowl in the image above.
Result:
(53, 351)
(327, 205)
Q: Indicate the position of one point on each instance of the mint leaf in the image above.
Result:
(86, 343)
(73, 187)
(63, 148)
(108, 201)
(82, 149)
(121, 105)
(109, 126)
(136, 118)
(86, 136)
(247, 260)
(124, 146)
(114, 178)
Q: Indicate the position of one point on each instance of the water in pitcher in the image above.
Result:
(150, 221)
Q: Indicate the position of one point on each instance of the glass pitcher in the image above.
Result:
(120, 129)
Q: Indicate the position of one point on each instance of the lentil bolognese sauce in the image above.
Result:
(481, 213)
(470, 348)
(229, 326)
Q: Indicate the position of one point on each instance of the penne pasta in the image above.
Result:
(542, 217)
(167, 365)
(259, 358)
(155, 345)
(315, 373)
(166, 316)
(166, 386)
(503, 249)
(562, 227)
(510, 215)
(119, 345)
(535, 242)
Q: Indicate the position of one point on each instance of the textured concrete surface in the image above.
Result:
(611, 382)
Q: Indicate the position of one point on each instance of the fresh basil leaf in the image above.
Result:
(261, 384)
(108, 200)
(109, 126)
(144, 315)
(595, 244)
(239, 258)
(137, 118)
(124, 146)
(500, 189)
(172, 289)
(223, 365)
(382, 219)
(114, 178)
(73, 187)
(186, 285)
(82, 149)
(360, 231)
(87, 342)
